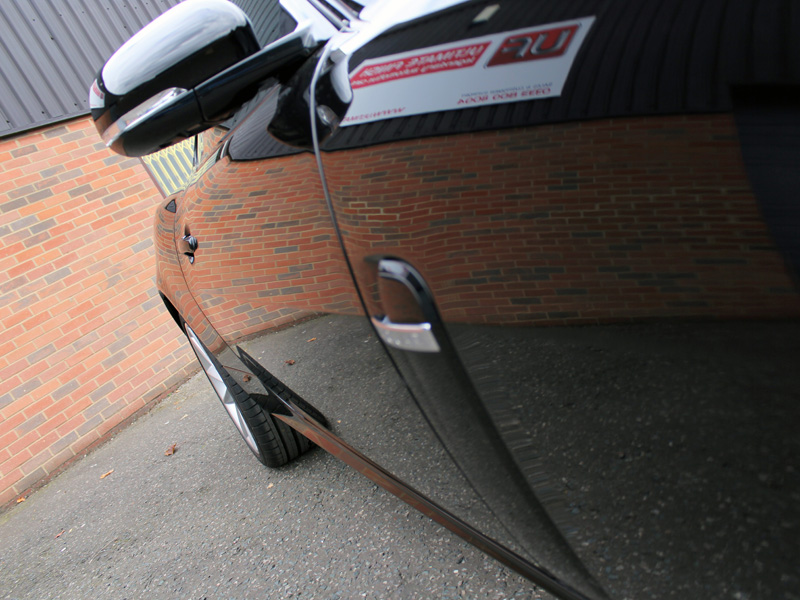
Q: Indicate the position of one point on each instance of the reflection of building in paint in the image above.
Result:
(578, 223)
(172, 167)
(268, 252)
(503, 234)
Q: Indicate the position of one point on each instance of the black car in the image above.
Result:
(570, 228)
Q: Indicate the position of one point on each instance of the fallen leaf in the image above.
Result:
(104, 475)
(289, 362)
(247, 378)
(20, 499)
(270, 485)
(312, 340)
(58, 535)
(171, 450)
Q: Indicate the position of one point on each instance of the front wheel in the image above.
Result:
(272, 441)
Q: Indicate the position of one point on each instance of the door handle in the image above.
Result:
(416, 337)
(408, 307)
(191, 244)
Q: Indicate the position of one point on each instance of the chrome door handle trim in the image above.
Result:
(192, 244)
(416, 337)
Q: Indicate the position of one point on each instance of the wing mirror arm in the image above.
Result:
(220, 95)
(332, 94)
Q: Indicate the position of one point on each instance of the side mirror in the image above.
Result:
(188, 70)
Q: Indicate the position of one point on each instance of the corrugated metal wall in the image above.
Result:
(51, 50)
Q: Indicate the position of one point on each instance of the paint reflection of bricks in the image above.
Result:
(268, 252)
(599, 221)
(564, 224)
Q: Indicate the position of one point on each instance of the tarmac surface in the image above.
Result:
(130, 521)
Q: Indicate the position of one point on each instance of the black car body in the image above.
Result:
(572, 228)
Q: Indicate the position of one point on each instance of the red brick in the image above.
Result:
(40, 449)
(18, 455)
(7, 482)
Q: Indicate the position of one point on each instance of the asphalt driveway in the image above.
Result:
(130, 521)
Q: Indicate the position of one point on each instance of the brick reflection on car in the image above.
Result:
(269, 254)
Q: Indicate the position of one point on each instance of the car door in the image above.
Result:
(260, 255)
(548, 216)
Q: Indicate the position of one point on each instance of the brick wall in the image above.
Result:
(86, 342)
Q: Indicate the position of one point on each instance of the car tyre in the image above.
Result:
(276, 442)
(271, 440)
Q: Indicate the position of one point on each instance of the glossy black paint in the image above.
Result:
(222, 94)
(636, 437)
(768, 121)
(623, 423)
(379, 475)
(291, 122)
(155, 102)
(464, 424)
(647, 439)
(643, 58)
